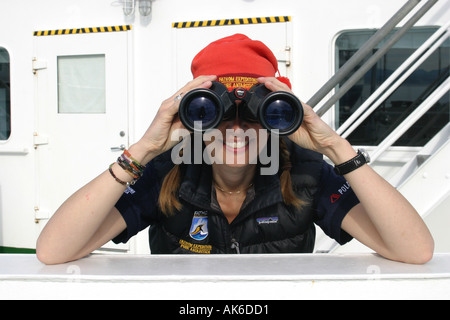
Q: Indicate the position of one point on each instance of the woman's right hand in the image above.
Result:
(157, 138)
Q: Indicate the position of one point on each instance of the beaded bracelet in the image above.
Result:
(127, 184)
(130, 166)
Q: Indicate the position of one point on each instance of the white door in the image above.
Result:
(189, 41)
(81, 88)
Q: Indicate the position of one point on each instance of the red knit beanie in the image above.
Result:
(237, 61)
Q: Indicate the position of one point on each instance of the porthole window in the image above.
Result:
(5, 95)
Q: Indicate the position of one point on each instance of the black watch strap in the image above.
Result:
(357, 162)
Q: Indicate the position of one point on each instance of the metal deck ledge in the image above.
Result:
(307, 276)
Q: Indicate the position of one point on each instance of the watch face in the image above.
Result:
(365, 155)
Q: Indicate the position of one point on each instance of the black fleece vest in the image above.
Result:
(264, 225)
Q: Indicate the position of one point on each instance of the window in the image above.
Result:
(81, 84)
(5, 100)
(405, 99)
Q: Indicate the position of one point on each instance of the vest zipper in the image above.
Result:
(235, 245)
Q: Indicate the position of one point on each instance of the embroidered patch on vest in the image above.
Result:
(267, 220)
(199, 226)
(196, 248)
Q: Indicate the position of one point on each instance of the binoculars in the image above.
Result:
(279, 112)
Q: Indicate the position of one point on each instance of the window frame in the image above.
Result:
(8, 109)
(65, 65)
(334, 114)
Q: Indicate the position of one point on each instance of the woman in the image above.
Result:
(230, 207)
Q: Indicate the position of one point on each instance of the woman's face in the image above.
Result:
(239, 142)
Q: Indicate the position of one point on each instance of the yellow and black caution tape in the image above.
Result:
(230, 22)
(81, 30)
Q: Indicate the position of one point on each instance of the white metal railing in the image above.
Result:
(411, 119)
(433, 146)
(365, 50)
(393, 82)
(206, 277)
(345, 70)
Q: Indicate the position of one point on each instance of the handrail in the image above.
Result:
(363, 52)
(203, 277)
(375, 57)
(432, 147)
(411, 119)
(418, 57)
(13, 151)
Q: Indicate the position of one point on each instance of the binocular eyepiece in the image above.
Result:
(279, 112)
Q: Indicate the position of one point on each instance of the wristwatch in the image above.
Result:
(361, 159)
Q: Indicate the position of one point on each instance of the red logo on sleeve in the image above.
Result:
(335, 197)
(343, 189)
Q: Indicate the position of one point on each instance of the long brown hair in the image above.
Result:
(169, 203)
